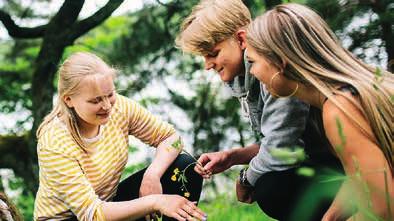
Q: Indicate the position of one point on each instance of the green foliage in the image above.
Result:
(289, 155)
(141, 44)
(25, 201)
(25, 204)
(225, 208)
(133, 167)
(375, 33)
(339, 147)
(15, 71)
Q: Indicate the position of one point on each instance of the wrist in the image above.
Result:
(152, 173)
(229, 157)
(243, 180)
(154, 202)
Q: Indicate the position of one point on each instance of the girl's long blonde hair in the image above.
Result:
(74, 69)
(296, 35)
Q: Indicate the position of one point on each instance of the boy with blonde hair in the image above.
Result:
(215, 29)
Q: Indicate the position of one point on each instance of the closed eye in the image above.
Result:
(213, 54)
(95, 101)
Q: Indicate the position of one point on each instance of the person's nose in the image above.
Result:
(106, 104)
(209, 63)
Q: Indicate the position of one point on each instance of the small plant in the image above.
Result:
(289, 155)
(180, 175)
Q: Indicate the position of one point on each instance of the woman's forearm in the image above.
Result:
(166, 153)
(137, 208)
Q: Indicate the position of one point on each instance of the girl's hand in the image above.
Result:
(179, 208)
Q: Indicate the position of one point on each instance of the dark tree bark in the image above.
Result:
(60, 32)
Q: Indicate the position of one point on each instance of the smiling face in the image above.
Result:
(269, 74)
(94, 100)
(226, 58)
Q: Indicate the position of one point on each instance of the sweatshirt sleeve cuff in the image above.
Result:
(252, 176)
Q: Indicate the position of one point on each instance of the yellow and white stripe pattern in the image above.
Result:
(76, 182)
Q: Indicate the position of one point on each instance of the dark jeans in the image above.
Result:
(129, 188)
(288, 196)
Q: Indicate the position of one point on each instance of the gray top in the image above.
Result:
(280, 122)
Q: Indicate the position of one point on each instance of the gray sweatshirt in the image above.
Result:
(280, 122)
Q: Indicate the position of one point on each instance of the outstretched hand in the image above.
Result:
(179, 208)
(212, 163)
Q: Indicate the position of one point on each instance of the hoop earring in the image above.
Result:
(277, 95)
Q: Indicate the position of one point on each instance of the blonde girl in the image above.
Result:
(83, 149)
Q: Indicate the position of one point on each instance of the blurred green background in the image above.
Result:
(137, 37)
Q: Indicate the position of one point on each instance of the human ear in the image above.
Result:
(241, 38)
(283, 65)
(67, 100)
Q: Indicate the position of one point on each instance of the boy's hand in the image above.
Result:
(244, 194)
(212, 163)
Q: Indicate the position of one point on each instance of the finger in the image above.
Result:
(183, 213)
(187, 208)
(200, 170)
(188, 214)
(178, 217)
(203, 159)
(208, 167)
(206, 176)
(197, 212)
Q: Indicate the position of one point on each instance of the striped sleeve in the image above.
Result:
(63, 174)
(144, 125)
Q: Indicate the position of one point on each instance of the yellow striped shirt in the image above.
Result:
(73, 182)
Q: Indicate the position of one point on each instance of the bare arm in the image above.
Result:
(170, 205)
(217, 162)
(122, 210)
(363, 161)
(166, 152)
(240, 156)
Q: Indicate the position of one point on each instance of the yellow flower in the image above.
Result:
(173, 178)
(176, 171)
(186, 194)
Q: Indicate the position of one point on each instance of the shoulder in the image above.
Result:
(124, 104)
(345, 125)
(56, 137)
(348, 110)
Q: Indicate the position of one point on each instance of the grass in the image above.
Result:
(225, 208)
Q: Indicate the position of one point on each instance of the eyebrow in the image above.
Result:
(99, 97)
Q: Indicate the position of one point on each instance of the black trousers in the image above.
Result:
(289, 196)
(129, 188)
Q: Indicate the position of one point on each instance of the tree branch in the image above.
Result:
(20, 32)
(68, 13)
(94, 20)
(8, 73)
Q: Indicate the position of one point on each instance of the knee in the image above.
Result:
(187, 163)
(183, 161)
